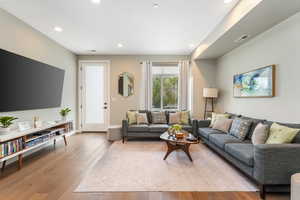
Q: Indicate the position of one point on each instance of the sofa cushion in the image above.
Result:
(221, 139)
(242, 152)
(253, 126)
(240, 128)
(138, 128)
(158, 128)
(205, 132)
(281, 134)
(159, 117)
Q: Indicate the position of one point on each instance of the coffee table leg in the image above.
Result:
(186, 149)
(170, 149)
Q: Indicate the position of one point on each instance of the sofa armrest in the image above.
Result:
(276, 163)
(203, 123)
(124, 127)
(194, 127)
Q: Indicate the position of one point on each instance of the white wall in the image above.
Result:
(119, 105)
(279, 45)
(19, 38)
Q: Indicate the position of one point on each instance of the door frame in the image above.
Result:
(80, 88)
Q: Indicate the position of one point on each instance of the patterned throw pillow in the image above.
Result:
(260, 134)
(240, 128)
(184, 117)
(159, 117)
(174, 118)
(216, 116)
(223, 124)
(142, 118)
(281, 134)
(131, 116)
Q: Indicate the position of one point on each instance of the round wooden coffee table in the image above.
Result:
(184, 144)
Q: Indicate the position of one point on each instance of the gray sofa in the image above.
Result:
(139, 131)
(270, 166)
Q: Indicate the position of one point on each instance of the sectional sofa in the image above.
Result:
(138, 131)
(269, 165)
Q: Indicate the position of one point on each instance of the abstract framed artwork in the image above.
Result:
(259, 83)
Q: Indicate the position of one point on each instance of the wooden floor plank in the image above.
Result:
(53, 174)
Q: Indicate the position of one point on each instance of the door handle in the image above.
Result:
(105, 103)
(105, 107)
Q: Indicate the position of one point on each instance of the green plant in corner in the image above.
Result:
(6, 121)
(64, 112)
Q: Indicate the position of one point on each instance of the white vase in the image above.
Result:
(4, 131)
(63, 118)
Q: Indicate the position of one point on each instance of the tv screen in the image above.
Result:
(28, 84)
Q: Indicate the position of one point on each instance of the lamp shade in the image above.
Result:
(210, 92)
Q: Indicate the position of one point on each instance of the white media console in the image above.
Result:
(17, 143)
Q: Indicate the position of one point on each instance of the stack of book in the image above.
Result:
(11, 147)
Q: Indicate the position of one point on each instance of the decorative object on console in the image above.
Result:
(209, 94)
(281, 134)
(64, 112)
(126, 84)
(5, 123)
(222, 124)
(23, 126)
(256, 83)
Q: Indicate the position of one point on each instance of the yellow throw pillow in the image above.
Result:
(184, 117)
(216, 116)
(131, 116)
(281, 134)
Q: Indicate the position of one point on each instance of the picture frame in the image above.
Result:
(257, 83)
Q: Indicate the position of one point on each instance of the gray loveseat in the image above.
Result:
(150, 130)
(269, 165)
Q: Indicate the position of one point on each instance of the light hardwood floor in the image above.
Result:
(53, 175)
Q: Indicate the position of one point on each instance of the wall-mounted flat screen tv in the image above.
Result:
(27, 84)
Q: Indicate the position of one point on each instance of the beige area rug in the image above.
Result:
(139, 166)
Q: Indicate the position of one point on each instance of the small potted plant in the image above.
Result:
(174, 129)
(5, 123)
(64, 112)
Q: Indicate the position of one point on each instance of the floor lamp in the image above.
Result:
(209, 94)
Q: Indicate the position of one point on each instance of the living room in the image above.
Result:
(132, 100)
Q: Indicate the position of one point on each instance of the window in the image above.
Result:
(165, 86)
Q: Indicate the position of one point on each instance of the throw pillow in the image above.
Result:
(159, 118)
(240, 128)
(131, 116)
(222, 124)
(260, 134)
(184, 117)
(281, 134)
(216, 116)
(174, 118)
(142, 118)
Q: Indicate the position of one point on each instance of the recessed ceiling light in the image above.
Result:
(58, 29)
(96, 1)
(242, 38)
(155, 5)
(120, 45)
(227, 1)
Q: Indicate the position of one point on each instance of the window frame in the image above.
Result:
(161, 77)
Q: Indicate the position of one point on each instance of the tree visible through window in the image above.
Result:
(165, 82)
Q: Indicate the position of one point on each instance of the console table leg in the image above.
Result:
(65, 140)
(20, 161)
(3, 166)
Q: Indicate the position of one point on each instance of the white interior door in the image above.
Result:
(94, 96)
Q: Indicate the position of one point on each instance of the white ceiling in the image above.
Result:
(141, 28)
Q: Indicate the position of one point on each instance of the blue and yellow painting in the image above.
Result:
(257, 83)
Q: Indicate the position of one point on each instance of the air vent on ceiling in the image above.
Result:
(242, 38)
